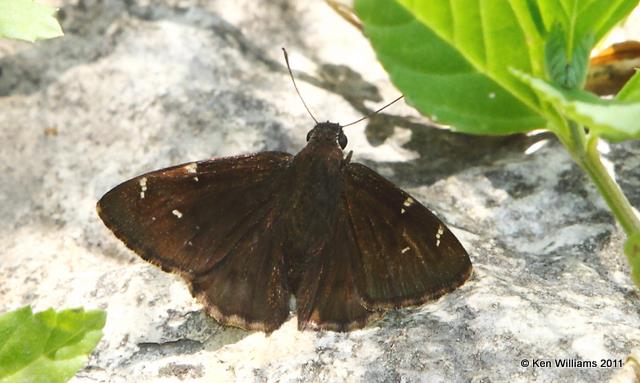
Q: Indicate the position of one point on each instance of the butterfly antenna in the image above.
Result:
(286, 59)
(376, 112)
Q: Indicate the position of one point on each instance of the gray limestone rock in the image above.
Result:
(139, 85)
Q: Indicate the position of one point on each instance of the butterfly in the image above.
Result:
(250, 232)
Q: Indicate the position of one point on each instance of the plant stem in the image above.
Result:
(587, 156)
(610, 190)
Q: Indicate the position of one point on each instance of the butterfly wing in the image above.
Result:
(328, 297)
(214, 222)
(405, 254)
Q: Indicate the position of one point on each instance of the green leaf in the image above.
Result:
(631, 90)
(574, 27)
(566, 68)
(632, 250)
(452, 59)
(580, 18)
(493, 35)
(457, 78)
(616, 120)
(48, 346)
(28, 20)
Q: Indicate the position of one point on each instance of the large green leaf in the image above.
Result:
(439, 73)
(28, 20)
(492, 35)
(613, 119)
(48, 346)
(453, 58)
(632, 250)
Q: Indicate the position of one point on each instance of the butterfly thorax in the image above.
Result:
(315, 195)
(315, 172)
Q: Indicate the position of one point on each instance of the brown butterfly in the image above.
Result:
(249, 232)
(613, 67)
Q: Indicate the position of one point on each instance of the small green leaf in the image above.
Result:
(631, 90)
(567, 69)
(581, 18)
(28, 20)
(632, 250)
(47, 346)
(574, 27)
(615, 120)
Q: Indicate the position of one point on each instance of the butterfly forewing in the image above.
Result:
(406, 254)
(189, 218)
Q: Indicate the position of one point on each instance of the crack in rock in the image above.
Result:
(155, 350)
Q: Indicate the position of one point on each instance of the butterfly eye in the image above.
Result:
(309, 135)
(342, 140)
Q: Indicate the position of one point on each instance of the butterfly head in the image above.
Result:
(327, 132)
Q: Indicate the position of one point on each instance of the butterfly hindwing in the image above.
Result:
(248, 288)
(328, 297)
(406, 255)
(206, 221)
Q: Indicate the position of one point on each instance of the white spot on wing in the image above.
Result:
(402, 211)
(143, 186)
(196, 178)
(405, 249)
(408, 202)
(439, 234)
(192, 168)
(177, 213)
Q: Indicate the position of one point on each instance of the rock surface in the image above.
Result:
(139, 85)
